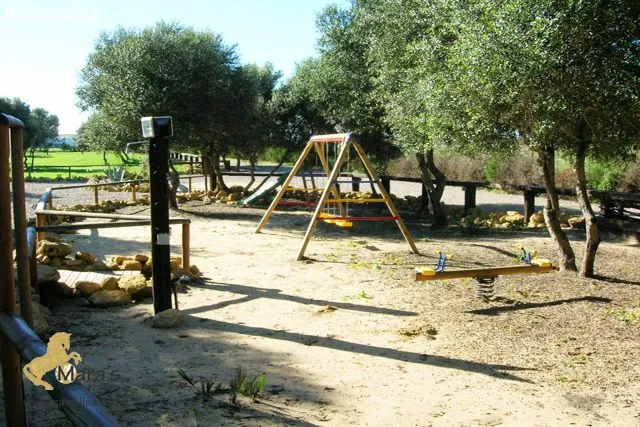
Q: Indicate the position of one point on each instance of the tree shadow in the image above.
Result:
(251, 293)
(492, 370)
(616, 280)
(494, 311)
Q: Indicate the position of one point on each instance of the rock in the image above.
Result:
(176, 261)
(171, 318)
(56, 262)
(87, 257)
(512, 218)
(110, 298)
(67, 262)
(131, 264)
(132, 284)
(141, 258)
(86, 289)
(148, 291)
(119, 259)
(47, 274)
(98, 266)
(62, 289)
(536, 218)
(110, 283)
(43, 259)
(147, 269)
(195, 271)
(54, 249)
(577, 222)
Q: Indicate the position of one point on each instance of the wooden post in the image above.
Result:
(355, 183)
(186, 247)
(9, 358)
(133, 192)
(69, 172)
(469, 198)
(41, 220)
(189, 179)
(20, 222)
(385, 195)
(385, 181)
(325, 165)
(323, 198)
(529, 203)
(285, 184)
(95, 195)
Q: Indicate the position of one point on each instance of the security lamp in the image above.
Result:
(153, 127)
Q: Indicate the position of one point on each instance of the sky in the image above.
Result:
(46, 43)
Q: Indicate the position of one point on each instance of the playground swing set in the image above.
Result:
(333, 208)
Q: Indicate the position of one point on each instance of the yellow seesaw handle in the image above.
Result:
(541, 262)
(426, 271)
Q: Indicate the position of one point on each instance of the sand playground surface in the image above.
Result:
(347, 337)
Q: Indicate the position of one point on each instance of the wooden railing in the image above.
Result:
(17, 340)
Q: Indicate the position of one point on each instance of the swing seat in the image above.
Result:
(541, 262)
(344, 224)
(426, 271)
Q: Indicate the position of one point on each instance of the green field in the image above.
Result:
(79, 165)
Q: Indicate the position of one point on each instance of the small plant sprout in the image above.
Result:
(207, 387)
(250, 388)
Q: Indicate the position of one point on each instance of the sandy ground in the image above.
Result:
(348, 338)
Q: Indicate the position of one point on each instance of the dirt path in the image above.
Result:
(348, 338)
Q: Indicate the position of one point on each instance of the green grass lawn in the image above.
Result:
(55, 164)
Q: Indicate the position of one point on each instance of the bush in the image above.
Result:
(630, 181)
(454, 166)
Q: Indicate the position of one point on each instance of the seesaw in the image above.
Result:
(483, 276)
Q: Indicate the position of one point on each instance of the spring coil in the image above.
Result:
(485, 287)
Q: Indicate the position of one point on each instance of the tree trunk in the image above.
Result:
(434, 190)
(592, 233)
(238, 163)
(252, 179)
(552, 210)
(174, 179)
(104, 157)
(214, 160)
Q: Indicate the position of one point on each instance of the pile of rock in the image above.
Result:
(114, 291)
(57, 253)
(514, 219)
(107, 206)
(234, 194)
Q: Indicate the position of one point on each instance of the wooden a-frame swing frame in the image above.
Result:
(317, 143)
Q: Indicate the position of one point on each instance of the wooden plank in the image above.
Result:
(483, 272)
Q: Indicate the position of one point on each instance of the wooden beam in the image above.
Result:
(186, 247)
(327, 171)
(323, 198)
(385, 195)
(285, 184)
(482, 272)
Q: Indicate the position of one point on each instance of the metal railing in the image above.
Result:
(17, 340)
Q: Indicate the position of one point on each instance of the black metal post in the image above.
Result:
(160, 249)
